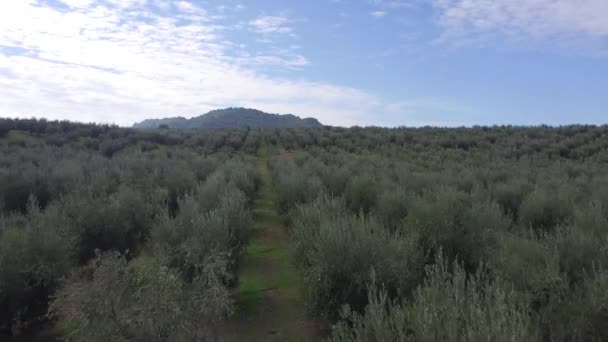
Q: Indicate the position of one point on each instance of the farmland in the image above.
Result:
(289, 234)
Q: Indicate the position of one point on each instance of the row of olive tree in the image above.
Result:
(137, 244)
(177, 287)
(520, 236)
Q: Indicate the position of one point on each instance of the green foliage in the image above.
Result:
(449, 306)
(292, 186)
(119, 221)
(392, 206)
(544, 209)
(34, 254)
(366, 207)
(361, 193)
(510, 196)
(463, 227)
(584, 314)
(507, 198)
(194, 237)
(338, 252)
(103, 189)
(249, 296)
(142, 300)
(17, 189)
(110, 147)
(559, 274)
(335, 179)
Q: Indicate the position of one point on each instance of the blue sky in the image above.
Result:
(367, 62)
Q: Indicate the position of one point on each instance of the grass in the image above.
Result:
(21, 138)
(260, 248)
(248, 296)
(268, 302)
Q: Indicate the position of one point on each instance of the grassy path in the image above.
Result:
(268, 303)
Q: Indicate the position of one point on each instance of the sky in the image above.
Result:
(344, 62)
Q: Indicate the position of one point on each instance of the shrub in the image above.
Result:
(221, 182)
(110, 147)
(178, 180)
(294, 187)
(361, 193)
(16, 191)
(335, 179)
(452, 221)
(545, 209)
(120, 221)
(510, 196)
(242, 175)
(338, 255)
(583, 316)
(392, 206)
(34, 255)
(236, 219)
(194, 236)
(450, 306)
(462, 308)
(561, 282)
(5, 127)
(142, 301)
(305, 230)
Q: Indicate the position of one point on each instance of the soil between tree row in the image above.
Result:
(269, 306)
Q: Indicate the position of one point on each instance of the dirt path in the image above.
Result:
(268, 302)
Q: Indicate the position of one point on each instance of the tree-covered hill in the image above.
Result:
(232, 117)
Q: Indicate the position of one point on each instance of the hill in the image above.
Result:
(232, 117)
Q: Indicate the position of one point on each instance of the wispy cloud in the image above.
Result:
(464, 21)
(116, 61)
(271, 24)
(286, 59)
(186, 6)
(394, 3)
(377, 14)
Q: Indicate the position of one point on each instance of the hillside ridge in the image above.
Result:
(231, 117)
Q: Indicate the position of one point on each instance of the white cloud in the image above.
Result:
(78, 3)
(384, 7)
(186, 6)
(284, 59)
(271, 24)
(394, 3)
(473, 20)
(120, 63)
